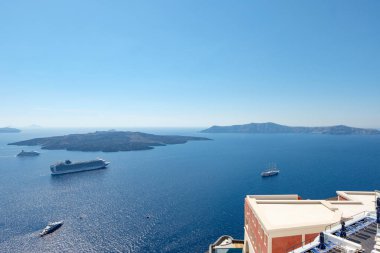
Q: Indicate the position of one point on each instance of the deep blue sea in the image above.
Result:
(192, 193)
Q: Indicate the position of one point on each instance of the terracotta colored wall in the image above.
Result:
(310, 237)
(254, 230)
(341, 198)
(282, 244)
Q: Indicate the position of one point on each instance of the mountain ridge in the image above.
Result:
(270, 128)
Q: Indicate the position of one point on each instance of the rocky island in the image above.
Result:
(9, 130)
(107, 141)
(271, 128)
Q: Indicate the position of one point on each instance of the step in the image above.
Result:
(353, 240)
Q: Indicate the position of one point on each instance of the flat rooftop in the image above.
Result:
(289, 213)
(284, 214)
(349, 208)
(367, 198)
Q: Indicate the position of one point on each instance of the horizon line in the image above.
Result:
(33, 126)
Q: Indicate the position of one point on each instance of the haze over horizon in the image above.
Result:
(144, 128)
(189, 63)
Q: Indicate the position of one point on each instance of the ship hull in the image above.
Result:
(23, 154)
(271, 174)
(79, 170)
(51, 229)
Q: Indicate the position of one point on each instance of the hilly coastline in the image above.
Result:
(9, 130)
(272, 128)
(107, 141)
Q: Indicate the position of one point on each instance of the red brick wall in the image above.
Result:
(254, 230)
(282, 244)
(310, 237)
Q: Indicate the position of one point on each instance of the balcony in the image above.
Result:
(226, 244)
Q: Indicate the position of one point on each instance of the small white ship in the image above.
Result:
(71, 167)
(271, 171)
(28, 153)
(51, 227)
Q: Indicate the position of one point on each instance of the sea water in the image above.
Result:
(176, 198)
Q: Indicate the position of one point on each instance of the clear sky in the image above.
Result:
(189, 63)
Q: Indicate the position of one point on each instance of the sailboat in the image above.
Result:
(271, 171)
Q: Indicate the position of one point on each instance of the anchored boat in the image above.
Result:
(28, 153)
(271, 171)
(51, 227)
(71, 167)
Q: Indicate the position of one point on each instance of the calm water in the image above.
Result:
(192, 193)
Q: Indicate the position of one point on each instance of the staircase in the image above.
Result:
(377, 242)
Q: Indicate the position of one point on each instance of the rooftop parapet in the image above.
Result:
(287, 215)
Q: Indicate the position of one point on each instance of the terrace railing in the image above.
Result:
(328, 227)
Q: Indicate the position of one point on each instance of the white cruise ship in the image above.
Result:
(28, 153)
(71, 167)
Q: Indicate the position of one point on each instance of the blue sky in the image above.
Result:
(189, 63)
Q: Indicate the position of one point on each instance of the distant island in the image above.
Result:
(107, 141)
(272, 128)
(9, 130)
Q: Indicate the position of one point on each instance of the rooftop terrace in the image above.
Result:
(361, 233)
